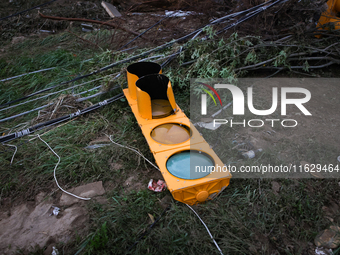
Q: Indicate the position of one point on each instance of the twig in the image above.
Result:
(88, 20)
(317, 58)
(84, 39)
(292, 67)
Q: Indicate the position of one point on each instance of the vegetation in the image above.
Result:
(249, 217)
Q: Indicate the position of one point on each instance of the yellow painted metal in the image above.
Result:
(337, 6)
(138, 70)
(171, 97)
(132, 78)
(329, 16)
(160, 107)
(173, 134)
(144, 104)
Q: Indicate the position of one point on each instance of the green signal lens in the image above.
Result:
(190, 165)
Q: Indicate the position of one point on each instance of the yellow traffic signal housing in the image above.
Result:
(189, 181)
(191, 169)
(136, 71)
(155, 98)
(330, 15)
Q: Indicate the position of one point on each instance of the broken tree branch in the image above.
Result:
(90, 21)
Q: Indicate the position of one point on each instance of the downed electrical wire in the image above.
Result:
(258, 9)
(46, 124)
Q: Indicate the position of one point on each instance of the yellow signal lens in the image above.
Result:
(170, 133)
(161, 108)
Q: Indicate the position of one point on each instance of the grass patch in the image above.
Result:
(249, 217)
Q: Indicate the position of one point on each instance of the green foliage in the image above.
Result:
(99, 239)
(280, 59)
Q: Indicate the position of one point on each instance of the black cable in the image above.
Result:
(166, 45)
(244, 18)
(143, 33)
(148, 230)
(55, 121)
(35, 7)
(87, 75)
(250, 15)
(104, 68)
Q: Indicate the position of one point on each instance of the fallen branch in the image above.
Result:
(90, 21)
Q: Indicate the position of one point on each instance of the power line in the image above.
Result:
(158, 48)
(55, 121)
(44, 106)
(35, 7)
(53, 93)
(14, 77)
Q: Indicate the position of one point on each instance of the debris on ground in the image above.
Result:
(208, 125)
(276, 187)
(323, 251)
(157, 186)
(111, 10)
(165, 201)
(29, 225)
(55, 211)
(249, 154)
(96, 146)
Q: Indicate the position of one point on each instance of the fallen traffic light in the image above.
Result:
(191, 169)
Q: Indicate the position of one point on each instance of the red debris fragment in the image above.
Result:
(158, 186)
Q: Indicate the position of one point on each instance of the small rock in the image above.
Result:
(18, 39)
(129, 181)
(165, 201)
(40, 197)
(49, 249)
(328, 238)
(276, 187)
(89, 190)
